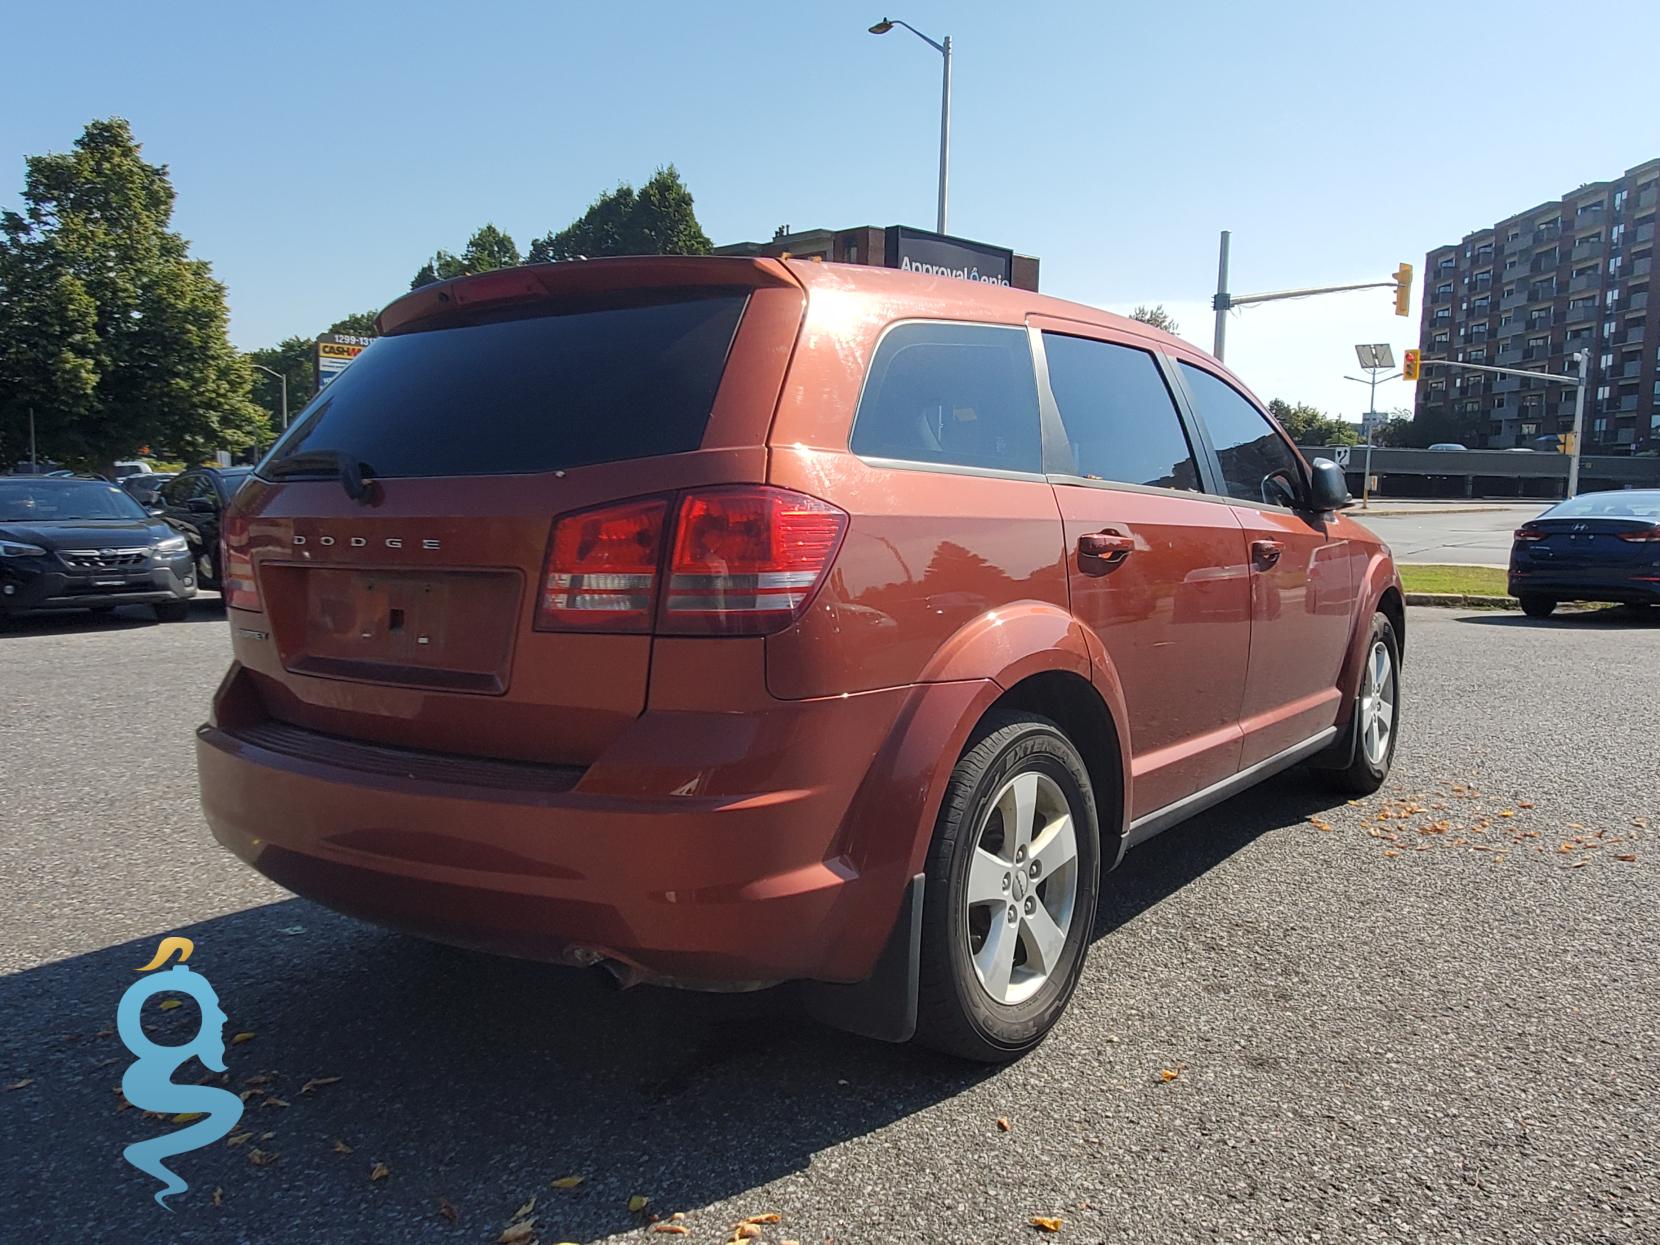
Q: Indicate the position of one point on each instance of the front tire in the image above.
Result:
(1538, 607)
(1375, 715)
(1013, 879)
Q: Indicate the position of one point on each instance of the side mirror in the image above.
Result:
(1328, 490)
(155, 509)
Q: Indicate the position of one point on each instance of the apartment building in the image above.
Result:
(1572, 274)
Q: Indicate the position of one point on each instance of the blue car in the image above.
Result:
(1594, 547)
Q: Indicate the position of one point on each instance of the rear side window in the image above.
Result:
(1249, 450)
(1120, 420)
(533, 394)
(959, 394)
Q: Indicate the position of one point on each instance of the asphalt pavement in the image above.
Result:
(1302, 1019)
(1474, 534)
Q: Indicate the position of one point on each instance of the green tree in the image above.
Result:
(1156, 316)
(657, 219)
(1396, 431)
(1308, 425)
(488, 249)
(109, 331)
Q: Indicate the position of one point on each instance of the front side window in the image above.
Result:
(1257, 465)
(955, 394)
(1120, 420)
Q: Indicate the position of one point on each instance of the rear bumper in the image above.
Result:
(749, 872)
(1640, 587)
(28, 590)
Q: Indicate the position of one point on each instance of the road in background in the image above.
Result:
(1477, 534)
(1303, 1018)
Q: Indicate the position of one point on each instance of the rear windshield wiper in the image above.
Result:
(354, 475)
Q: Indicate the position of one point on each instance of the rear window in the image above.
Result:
(959, 394)
(530, 394)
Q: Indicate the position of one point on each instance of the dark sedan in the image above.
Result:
(1594, 547)
(193, 502)
(70, 544)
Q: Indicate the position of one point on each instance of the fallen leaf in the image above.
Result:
(218, 1195)
(771, 1216)
(266, 1136)
(1524, 803)
(262, 1078)
(1003, 1124)
(517, 1233)
(315, 1081)
(1169, 1074)
(744, 1232)
(237, 1139)
(1047, 1223)
(168, 1005)
(276, 1102)
(524, 1211)
(261, 1158)
(245, 1036)
(380, 1171)
(567, 1182)
(1391, 852)
(28, 1080)
(637, 1203)
(448, 1210)
(187, 1117)
(1640, 822)
(1628, 857)
(678, 1229)
(340, 1147)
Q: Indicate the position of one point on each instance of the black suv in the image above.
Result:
(193, 502)
(69, 544)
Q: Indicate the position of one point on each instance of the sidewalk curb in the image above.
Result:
(1383, 513)
(1462, 599)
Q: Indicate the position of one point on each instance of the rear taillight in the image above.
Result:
(1651, 535)
(738, 561)
(236, 563)
(745, 561)
(1526, 534)
(602, 569)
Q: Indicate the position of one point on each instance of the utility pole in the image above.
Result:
(1583, 358)
(945, 134)
(1374, 361)
(1578, 381)
(1221, 304)
(1224, 302)
(284, 379)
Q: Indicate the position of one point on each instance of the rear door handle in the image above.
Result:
(1101, 551)
(1266, 552)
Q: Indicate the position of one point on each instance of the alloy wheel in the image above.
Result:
(1377, 704)
(1022, 887)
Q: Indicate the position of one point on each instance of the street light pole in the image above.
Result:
(1583, 358)
(1371, 427)
(284, 379)
(944, 49)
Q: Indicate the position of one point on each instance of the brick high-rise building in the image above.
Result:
(1531, 290)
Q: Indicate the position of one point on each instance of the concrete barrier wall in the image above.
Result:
(1487, 473)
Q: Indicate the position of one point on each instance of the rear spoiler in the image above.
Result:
(458, 299)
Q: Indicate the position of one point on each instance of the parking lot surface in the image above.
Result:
(1476, 535)
(1430, 1015)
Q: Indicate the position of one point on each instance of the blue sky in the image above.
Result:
(319, 157)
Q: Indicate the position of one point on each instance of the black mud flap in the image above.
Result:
(883, 1005)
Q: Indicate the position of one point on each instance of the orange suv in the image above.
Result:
(728, 622)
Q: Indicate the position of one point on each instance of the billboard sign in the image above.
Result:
(335, 352)
(938, 255)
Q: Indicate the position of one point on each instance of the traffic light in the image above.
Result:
(1403, 288)
(1410, 365)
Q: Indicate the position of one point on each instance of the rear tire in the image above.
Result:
(1538, 607)
(173, 611)
(1375, 715)
(1017, 833)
